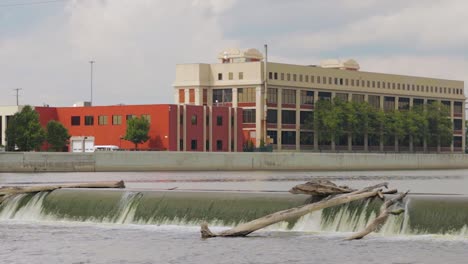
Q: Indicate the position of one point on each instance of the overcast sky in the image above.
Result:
(45, 48)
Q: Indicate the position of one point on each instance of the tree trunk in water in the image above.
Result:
(380, 220)
(12, 190)
(247, 228)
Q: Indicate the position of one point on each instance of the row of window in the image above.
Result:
(194, 120)
(244, 95)
(103, 119)
(240, 76)
(362, 83)
(194, 144)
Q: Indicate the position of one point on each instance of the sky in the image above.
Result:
(46, 45)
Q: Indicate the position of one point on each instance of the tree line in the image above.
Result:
(25, 133)
(360, 121)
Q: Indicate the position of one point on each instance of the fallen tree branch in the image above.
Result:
(380, 220)
(12, 190)
(249, 227)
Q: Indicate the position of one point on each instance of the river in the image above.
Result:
(53, 228)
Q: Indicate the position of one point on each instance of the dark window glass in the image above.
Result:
(194, 119)
(219, 120)
(220, 76)
(288, 137)
(222, 96)
(75, 120)
(193, 144)
(272, 116)
(89, 120)
(307, 117)
(307, 138)
(273, 135)
(288, 117)
(219, 145)
(248, 116)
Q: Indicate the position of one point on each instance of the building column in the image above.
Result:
(298, 120)
(425, 140)
(463, 129)
(235, 130)
(366, 135)
(382, 100)
(187, 97)
(229, 129)
(185, 128)
(350, 136)
(397, 100)
(210, 128)
(178, 128)
(333, 143)
(279, 117)
(204, 129)
(411, 146)
(4, 126)
(316, 146)
(198, 96)
(452, 117)
(258, 115)
(235, 100)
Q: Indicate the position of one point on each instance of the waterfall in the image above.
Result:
(443, 215)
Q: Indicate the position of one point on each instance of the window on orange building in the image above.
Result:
(89, 120)
(102, 120)
(193, 145)
(128, 117)
(116, 120)
(75, 120)
(146, 117)
(194, 119)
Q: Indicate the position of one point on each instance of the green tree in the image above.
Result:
(440, 125)
(137, 130)
(24, 131)
(57, 135)
(329, 119)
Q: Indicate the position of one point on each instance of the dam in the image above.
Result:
(156, 219)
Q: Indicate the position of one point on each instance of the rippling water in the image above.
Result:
(74, 242)
(87, 243)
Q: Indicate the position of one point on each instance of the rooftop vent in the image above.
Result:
(350, 64)
(237, 55)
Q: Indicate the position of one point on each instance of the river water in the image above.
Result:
(34, 239)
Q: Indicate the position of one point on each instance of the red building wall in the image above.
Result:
(111, 134)
(164, 122)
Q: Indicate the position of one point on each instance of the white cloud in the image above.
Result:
(427, 24)
(136, 45)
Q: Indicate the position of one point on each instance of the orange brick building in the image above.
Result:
(172, 127)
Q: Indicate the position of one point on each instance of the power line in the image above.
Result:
(33, 3)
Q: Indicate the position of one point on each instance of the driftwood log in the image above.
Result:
(293, 213)
(380, 220)
(320, 188)
(13, 190)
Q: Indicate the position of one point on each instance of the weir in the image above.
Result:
(425, 214)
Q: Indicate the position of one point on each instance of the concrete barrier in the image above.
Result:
(209, 161)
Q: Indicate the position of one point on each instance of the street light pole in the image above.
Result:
(17, 95)
(91, 62)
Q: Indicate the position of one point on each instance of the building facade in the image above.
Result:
(277, 99)
(6, 112)
(172, 127)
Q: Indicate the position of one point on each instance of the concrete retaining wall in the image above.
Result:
(171, 161)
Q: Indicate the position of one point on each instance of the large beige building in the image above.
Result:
(275, 108)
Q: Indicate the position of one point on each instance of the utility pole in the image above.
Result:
(17, 95)
(91, 62)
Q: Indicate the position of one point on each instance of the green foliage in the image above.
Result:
(57, 136)
(137, 130)
(440, 127)
(335, 119)
(24, 131)
(249, 146)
